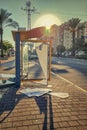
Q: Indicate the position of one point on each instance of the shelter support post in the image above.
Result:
(17, 40)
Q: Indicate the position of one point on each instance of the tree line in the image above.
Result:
(73, 25)
(5, 21)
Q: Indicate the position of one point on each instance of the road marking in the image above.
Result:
(69, 82)
(7, 75)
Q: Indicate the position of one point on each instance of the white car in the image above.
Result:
(80, 53)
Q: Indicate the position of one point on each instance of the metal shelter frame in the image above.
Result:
(25, 36)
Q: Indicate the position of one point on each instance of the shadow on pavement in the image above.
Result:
(45, 106)
(9, 68)
(56, 71)
(8, 100)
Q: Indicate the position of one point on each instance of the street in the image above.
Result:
(72, 70)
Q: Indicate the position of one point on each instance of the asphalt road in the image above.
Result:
(72, 70)
(8, 64)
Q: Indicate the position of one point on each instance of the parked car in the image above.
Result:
(79, 53)
(33, 57)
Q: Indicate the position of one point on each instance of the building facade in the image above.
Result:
(54, 33)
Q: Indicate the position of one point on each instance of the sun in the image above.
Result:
(47, 20)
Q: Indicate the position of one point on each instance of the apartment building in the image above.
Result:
(61, 35)
(67, 39)
(65, 35)
(85, 32)
(82, 32)
(54, 33)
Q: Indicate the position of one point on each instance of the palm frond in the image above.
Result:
(74, 22)
(5, 19)
(11, 23)
(4, 15)
(81, 26)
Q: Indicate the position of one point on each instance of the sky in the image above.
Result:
(62, 10)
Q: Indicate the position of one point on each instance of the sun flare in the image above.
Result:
(47, 20)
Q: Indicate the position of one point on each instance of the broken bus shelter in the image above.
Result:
(42, 51)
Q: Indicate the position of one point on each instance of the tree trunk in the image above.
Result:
(1, 32)
(73, 50)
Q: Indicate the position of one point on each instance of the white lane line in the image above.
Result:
(69, 82)
(7, 75)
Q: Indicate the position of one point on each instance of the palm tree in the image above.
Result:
(81, 27)
(73, 25)
(5, 21)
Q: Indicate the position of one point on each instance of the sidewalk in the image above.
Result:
(6, 60)
(19, 112)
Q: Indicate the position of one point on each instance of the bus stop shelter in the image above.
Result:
(43, 50)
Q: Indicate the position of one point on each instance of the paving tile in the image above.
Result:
(65, 118)
(82, 122)
(12, 128)
(73, 117)
(71, 128)
(61, 129)
(64, 124)
(23, 128)
(17, 123)
(82, 127)
(82, 116)
(73, 123)
(27, 122)
(34, 127)
(6, 125)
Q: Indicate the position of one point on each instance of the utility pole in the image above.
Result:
(29, 10)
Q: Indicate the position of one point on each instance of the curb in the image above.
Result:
(4, 61)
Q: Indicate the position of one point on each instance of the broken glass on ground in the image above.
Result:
(35, 92)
